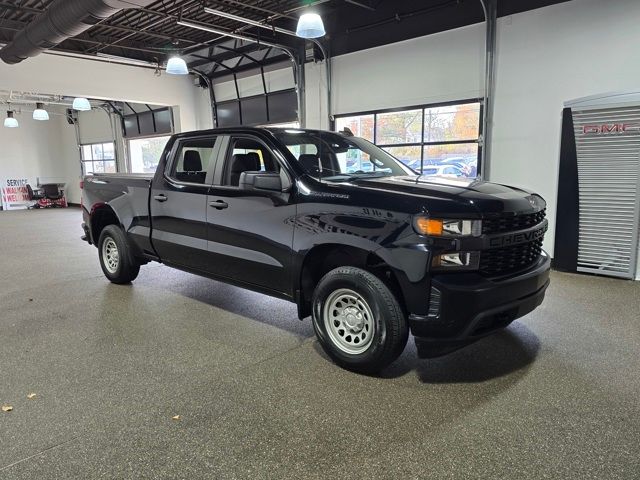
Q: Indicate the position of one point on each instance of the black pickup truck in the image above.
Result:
(361, 243)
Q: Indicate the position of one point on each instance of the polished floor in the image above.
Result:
(556, 395)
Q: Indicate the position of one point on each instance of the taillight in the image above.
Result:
(81, 184)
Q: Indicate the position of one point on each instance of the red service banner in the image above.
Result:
(14, 193)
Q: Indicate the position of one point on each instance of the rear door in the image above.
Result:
(250, 233)
(178, 202)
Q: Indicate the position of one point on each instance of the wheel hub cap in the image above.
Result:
(349, 321)
(110, 255)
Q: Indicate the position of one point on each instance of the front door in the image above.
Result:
(179, 202)
(250, 232)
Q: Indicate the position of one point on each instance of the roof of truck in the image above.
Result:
(241, 129)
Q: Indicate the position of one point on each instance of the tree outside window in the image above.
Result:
(426, 136)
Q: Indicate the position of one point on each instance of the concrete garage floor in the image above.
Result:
(554, 396)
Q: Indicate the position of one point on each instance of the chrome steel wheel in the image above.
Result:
(349, 321)
(110, 255)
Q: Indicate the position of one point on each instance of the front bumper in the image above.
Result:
(472, 306)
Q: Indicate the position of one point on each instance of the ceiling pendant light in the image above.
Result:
(310, 26)
(10, 122)
(40, 113)
(81, 104)
(177, 66)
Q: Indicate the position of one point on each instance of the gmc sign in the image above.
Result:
(607, 128)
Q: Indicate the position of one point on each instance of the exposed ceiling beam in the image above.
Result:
(227, 55)
(249, 67)
(119, 28)
(271, 18)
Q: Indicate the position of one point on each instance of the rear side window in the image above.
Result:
(192, 160)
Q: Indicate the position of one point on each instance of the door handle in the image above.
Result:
(160, 198)
(218, 204)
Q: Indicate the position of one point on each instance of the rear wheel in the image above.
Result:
(358, 320)
(116, 259)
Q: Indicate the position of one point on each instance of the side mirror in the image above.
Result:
(269, 181)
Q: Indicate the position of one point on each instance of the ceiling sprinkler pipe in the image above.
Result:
(63, 19)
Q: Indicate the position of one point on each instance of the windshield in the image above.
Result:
(334, 157)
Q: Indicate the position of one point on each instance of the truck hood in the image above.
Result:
(456, 195)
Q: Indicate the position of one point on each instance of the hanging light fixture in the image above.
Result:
(310, 26)
(81, 104)
(40, 113)
(10, 122)
(177, 66)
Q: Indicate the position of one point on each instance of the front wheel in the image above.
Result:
(358, 320)
(116, 259)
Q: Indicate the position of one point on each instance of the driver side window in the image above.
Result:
(247, 155)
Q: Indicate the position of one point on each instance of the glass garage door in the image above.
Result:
(608, 151)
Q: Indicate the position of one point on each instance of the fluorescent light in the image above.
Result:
(40, 113)
(81, 104)
(10, 122)
(310, 26)
(177, 66)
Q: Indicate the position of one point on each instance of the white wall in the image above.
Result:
(50, 148)
(41, 149)
(54, 74)
(546, 57)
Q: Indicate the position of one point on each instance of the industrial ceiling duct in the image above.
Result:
(62, 20)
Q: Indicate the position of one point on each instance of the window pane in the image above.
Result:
(110, 166)
(460, 159)
(97, 151)
(87, 167)
(98, 167)
(399, 127)
(410, 156)
(454, 122)
(145, 153)
(108, 149)
(86, 152)
(247, 155)
(193, 160)
(354, 160)
(360, 125)
(303, 149)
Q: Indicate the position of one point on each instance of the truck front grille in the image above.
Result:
(512, 223)
(503, 261)
(507, 260)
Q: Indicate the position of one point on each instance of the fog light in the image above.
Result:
(456, 261)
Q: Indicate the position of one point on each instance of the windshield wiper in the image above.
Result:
(354, 176)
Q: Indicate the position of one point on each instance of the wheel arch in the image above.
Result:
(321, 259)
(102, 215)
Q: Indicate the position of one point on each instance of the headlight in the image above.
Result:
(456, 261)
(447, 228)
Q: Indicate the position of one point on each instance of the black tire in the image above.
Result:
(390, 329)
(125, 269)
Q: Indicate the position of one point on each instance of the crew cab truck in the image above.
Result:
(361, 243)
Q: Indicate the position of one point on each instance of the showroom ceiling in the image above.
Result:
(151, 34)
